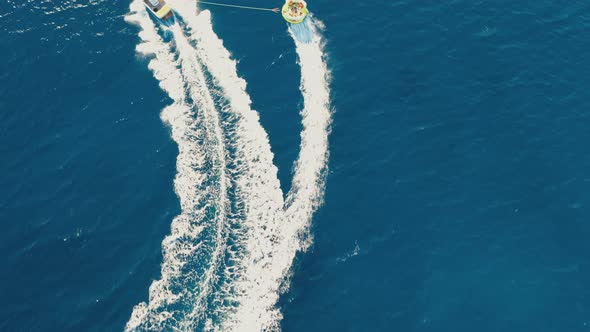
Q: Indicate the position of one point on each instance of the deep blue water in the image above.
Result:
(458, 195)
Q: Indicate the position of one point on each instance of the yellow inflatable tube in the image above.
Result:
(294, 11)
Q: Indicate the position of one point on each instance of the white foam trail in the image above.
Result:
(262, 265)
(201, 158)
(269, 231)
(257, 310)
(274, 237)
(307, 189)
(265, 282)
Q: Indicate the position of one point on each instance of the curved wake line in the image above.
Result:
(200, 158)
(251, 251)
(307, 189)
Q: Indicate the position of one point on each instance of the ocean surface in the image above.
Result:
(421, 166)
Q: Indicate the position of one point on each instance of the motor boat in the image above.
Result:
(161, 11)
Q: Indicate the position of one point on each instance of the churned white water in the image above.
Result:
(230, 251)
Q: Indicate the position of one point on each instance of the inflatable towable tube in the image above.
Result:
(294, 11)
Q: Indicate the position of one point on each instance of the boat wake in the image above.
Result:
(229, 253)
(303, 32)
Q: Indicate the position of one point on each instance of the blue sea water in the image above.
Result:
(457, 197)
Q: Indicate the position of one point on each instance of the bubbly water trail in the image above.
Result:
(264, 283)
(260, 268)
(267, 274)
(254, 258)
(308, 184)
(303, 32)
(195, 244)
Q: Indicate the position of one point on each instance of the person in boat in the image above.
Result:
(155, 4)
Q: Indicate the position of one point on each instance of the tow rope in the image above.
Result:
(276, 10)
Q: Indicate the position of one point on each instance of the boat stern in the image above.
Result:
(166, 15)
(161, 11)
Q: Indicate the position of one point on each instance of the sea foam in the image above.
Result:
(232, 247)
